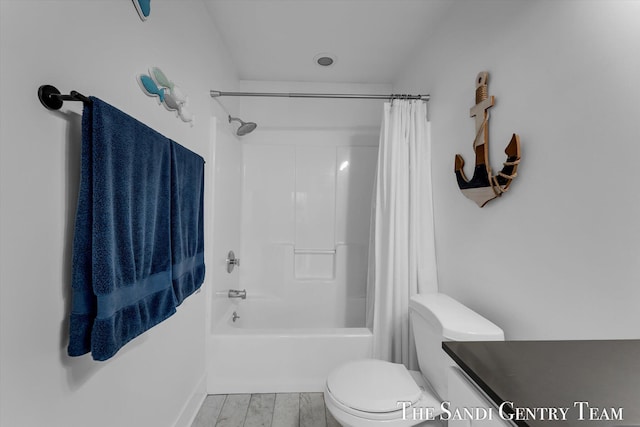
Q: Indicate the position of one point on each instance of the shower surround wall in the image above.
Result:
(305, 221)
(225, 236)
(307, 185)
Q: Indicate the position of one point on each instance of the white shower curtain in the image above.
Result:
(402, 258)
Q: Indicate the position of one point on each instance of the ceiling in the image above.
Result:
(278, 39)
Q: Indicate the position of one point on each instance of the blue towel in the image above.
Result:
(122, 261)
(187, 233)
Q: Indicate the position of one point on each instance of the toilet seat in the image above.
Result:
(373, 386)
(351, 413)
(369, 391)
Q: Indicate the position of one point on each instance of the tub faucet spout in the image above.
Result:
(235, 293)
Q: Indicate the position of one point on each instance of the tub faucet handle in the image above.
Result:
(235, 293)
(232, 261)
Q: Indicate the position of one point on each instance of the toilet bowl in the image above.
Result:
(371, 392)
(374, 392)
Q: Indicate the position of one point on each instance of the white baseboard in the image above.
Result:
(193, 404)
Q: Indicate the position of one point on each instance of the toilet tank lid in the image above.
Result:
(458, 322)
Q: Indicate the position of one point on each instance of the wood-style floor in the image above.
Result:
(265, 410)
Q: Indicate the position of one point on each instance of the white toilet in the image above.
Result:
(367, 392)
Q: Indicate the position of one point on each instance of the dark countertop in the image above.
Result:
(556, 374)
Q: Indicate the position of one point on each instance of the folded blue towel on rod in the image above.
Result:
(123, 266)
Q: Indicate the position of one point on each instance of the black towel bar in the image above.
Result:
(52, 99)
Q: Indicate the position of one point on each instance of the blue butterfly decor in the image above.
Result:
(169, 95)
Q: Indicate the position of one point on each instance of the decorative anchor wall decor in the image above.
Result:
(484, 186)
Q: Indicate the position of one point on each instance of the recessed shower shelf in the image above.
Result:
(314, 251)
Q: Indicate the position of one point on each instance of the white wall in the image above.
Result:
(558, 256)
(97, 48)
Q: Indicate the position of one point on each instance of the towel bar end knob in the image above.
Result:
(47, 96)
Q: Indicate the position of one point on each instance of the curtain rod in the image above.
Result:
(217, 93)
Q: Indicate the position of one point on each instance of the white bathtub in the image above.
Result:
(277, 346)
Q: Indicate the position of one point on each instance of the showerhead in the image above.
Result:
(245, 127)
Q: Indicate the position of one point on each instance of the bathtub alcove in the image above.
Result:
(294, 204)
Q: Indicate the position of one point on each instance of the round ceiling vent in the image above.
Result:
(325, 59)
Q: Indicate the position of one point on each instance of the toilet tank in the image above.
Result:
(436, 318)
